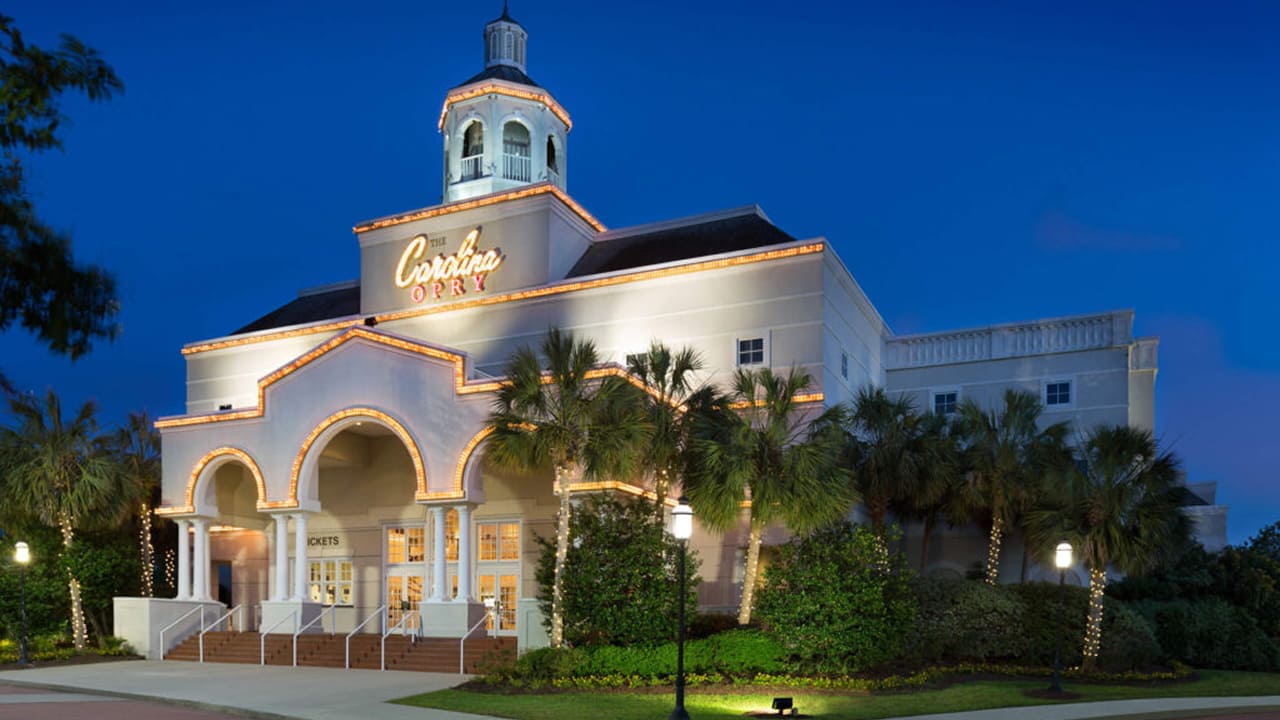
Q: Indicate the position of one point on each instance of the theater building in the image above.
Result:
(331, 454)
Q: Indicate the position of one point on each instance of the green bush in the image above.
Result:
(545, 664)
(967, 620)
(1128, 640)
(1211, 633)
(740, 652)
(620, 582)
(48, 601)
(837, 601)
(737, 652)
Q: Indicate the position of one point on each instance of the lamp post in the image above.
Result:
(682, 529)
(22, 556)
(1062, 559)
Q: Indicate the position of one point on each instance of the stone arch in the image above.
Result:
(305, 471)
(202, 473)
(466, 482)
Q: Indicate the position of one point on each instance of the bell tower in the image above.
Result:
(501, 129)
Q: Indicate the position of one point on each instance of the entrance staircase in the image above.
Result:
(324, 650)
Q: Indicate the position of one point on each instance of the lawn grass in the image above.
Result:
(706, 703)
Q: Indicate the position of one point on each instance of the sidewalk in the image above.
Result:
(271, 693)
(1134, 709)
(280, 693)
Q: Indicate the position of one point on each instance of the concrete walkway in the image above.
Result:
(1132, 709)
(279, 693)
(272, 693)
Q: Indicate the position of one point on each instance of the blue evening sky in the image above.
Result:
(972, 163)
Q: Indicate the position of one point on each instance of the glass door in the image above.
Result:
(498, 571)
(405, 553)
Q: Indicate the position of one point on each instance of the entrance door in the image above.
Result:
(222, 572)
(498, 570)
(405, 554)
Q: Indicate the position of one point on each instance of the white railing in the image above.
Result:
(204, 629)
(262, 638)
(472, 167)
(517, 167)
(489, 614)
(554, 177)
(401, 626)
(1054, 335)
(319, 618)
(380, 612)
(173, 624)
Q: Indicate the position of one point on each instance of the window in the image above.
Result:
(751, 351)
(844, 365)
(499, 541)
(331, 581)
(406, 545)
(944, 403)
(516, 162)
(634, 359)
(1057, 393)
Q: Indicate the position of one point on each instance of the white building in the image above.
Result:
(331, 453)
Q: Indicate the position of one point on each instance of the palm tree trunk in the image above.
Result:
(146, 551)
(749, 575)
(1026, 552)
(1093, 627)
(78, 631)
(993, 550)
(564, 476)
(924, 543)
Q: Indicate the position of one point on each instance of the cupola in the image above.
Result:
(501, 129)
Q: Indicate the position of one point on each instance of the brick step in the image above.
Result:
(324, 650)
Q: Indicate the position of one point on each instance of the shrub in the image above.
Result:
(1128, 640)
(1211, 633)
(619, 577)
(835, 601)
(967, 620)
(545, 664)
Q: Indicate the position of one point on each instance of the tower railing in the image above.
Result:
(472, 167)
(517, 167)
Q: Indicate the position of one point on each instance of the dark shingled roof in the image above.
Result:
(503, 72)
(312, 307)
(728, 234)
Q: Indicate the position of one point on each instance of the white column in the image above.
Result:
(281, 590)
(184, 559)
(200, 576)
(300, 566)
(466, 568)
(439, 569)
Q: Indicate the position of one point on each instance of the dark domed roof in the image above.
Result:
(502, 72)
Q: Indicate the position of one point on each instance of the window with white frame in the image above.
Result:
(1057, 393)
(946, 402)
(331, 581)
(751, 351)
(633, 359)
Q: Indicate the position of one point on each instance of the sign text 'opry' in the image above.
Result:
(454, 275)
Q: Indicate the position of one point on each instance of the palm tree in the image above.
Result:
(1119, 505)
(57, 473)
(939, 493)
(1006, 455)
(135, 447)
(668, 376)
(560, 411)
(756, 445)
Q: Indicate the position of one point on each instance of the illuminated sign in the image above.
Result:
(452, 275)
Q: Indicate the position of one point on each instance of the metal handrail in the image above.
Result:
(206, 628)
(376, 613)
(303, 629)
(262, 637)
(412, 638)
(462, 666)
(171, 625)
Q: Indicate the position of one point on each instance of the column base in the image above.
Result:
(286, 616)
(139, 621)
(451, 618)
(531, 633)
